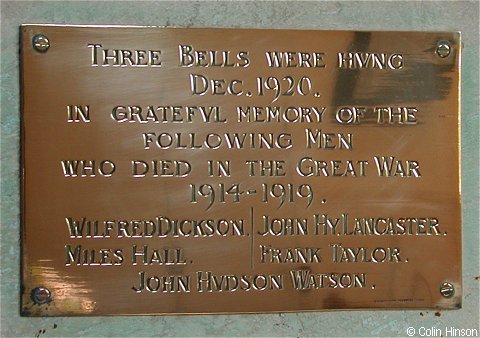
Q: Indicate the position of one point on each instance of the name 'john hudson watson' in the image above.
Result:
(207, 281)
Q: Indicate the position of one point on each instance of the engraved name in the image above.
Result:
(160, 226)
(207, 281)
(307, 280)
(328, 225)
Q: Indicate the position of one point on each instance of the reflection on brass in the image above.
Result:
(233, 171)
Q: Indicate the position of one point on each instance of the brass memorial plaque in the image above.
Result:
(171, 170)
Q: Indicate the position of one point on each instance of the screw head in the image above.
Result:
(41, 295)
(443, 49)
(447, 290)
(40, 43)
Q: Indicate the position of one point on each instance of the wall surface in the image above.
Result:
(342, 15)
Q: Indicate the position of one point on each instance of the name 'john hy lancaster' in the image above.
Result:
(326, 225)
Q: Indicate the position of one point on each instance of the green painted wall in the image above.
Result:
(343, 15)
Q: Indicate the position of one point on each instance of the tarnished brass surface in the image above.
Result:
(398, 97)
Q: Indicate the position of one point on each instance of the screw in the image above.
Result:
(40, 43)
(447, 290)
(443, 49)
(41, 295)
